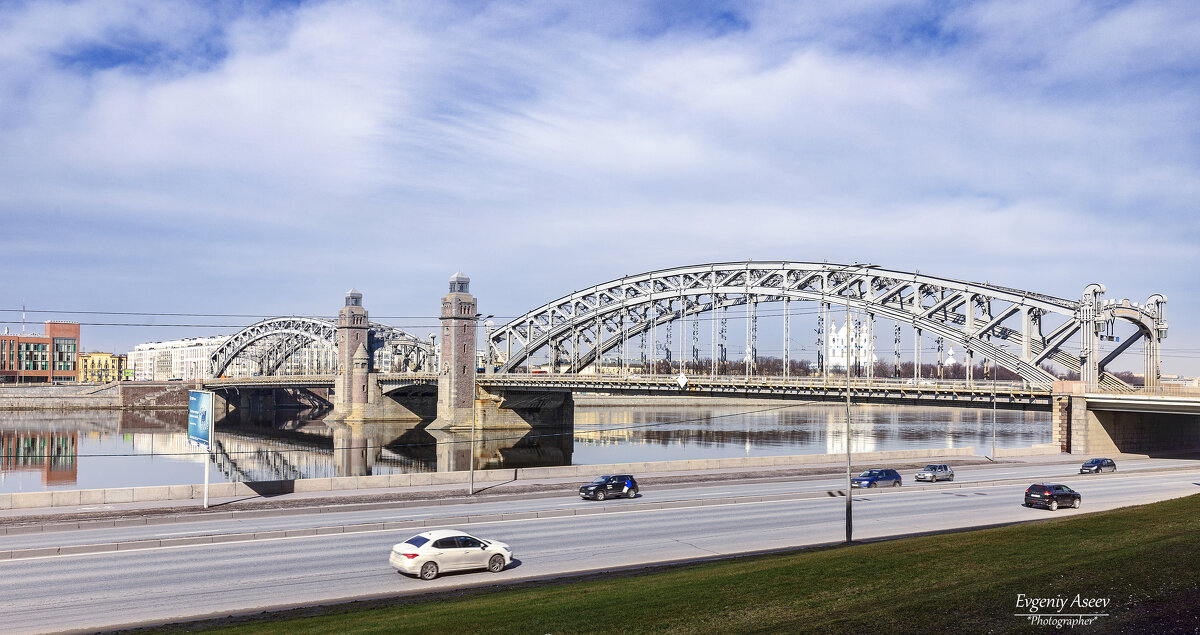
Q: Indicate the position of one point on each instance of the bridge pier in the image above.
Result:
(1114, 424)
(462, 405)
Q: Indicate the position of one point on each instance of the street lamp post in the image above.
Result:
(474, 394)
(993, 417)
(846, 364)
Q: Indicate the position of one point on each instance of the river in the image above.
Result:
(44, 450)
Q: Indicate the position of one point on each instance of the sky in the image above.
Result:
(260, 159)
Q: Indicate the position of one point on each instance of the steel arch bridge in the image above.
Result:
(271, 342)
(1018, 330)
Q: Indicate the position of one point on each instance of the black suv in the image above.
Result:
(1097, 466)
(1051, 496)
(610, 486)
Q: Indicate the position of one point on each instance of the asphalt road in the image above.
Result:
(268, 521)
(93, 591)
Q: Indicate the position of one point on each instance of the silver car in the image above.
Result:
(935, 472)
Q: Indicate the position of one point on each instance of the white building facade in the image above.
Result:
(857, 346)
(185, 359)
(188, 360)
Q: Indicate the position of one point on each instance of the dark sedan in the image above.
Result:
(610, 486)
(877, 478)
(1096, 466)
(1051, 496)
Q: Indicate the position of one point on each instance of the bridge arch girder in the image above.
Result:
(959, 311)
(762, 295)
(287, 335)
(296, 330)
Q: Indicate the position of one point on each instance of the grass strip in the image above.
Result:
(1145, 560)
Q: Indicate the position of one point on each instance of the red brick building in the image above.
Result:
(51, 356)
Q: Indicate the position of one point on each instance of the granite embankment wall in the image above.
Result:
(116, 395)
(27, 500)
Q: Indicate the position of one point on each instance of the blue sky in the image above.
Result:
(263, 158)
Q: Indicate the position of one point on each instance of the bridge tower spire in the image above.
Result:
(456, 385)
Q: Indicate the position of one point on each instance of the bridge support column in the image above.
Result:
(1075, 429)
(354, 361)
(1090, 323)
(456, 379)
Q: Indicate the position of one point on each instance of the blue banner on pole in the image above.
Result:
(200, 415)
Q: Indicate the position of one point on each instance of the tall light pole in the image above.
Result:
(474, 394)
(993, 416)
(846, 364)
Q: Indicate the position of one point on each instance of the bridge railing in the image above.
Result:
(832, 383)
(1164, 391)
(264, 380)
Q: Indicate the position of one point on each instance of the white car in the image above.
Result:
(428, 554)
(936, 472)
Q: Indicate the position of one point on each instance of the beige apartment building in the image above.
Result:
(101, 367)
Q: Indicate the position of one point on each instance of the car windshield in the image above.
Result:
(417, 541)
(930, 468)
(872, 473)
(1093, 462)
(602, 479)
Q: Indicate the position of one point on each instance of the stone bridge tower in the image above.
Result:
(456, 384)
(351, 338)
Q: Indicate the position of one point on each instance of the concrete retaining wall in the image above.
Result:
(130, 395)
(58, 402)
(27, 500)
(1040, 449)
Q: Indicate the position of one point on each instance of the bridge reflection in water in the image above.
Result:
(607, 434)
(134, 448)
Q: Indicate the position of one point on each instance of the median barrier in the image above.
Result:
(222, 490)
(155, 493)
(374, 482)
(1040, 449)
(69, 497)
(26, 500)
(312, 485)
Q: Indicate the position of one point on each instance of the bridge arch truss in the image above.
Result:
(1018, 330)
(270, 343)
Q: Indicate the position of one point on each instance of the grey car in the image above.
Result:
(935, 472)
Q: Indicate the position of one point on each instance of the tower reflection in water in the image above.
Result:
(266, 447)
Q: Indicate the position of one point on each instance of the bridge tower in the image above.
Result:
(351, 337)
(456, 385)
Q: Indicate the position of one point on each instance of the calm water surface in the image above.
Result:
(89, 450)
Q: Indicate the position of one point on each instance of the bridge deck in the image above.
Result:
(816, 388)
(1005, 394)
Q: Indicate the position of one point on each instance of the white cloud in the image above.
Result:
(1046, 144)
